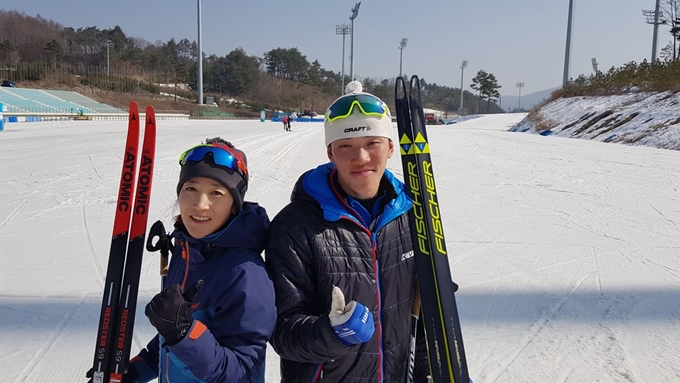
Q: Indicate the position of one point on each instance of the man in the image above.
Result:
(345, 237)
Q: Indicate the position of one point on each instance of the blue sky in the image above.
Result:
(516, 40)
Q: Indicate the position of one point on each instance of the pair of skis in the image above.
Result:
(119, 301)
(439, 312)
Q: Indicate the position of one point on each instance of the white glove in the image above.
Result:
(352, 323)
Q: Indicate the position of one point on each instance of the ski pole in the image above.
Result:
(415, 315)
(163, 245)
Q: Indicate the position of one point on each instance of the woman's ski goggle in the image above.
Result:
(368, 105)
(222, 155)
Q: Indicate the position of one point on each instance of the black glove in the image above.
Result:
(131, 376)
(170, 311)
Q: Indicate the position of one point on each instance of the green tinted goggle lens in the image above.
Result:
(368, 105)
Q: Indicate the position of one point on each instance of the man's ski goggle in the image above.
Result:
(222, 155)
(368, 105)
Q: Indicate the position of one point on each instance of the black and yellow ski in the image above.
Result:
(439, 312)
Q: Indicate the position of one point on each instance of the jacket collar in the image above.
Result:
(315, 184)
(246, 230)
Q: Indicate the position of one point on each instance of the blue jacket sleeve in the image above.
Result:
(233, 349)
(146, 362)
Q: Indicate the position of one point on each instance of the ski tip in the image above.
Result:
(150, 115)
(133, 111)
(400, 89)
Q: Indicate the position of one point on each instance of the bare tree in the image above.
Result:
(670, 16)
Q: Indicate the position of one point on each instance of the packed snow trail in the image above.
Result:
(566, 250)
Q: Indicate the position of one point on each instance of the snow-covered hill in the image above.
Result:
(649, 119)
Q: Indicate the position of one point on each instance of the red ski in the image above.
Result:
(116, 318)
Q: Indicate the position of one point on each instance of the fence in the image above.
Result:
(28, 117)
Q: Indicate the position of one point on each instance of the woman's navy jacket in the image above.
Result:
(234, 314)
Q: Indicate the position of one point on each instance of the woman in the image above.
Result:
(217, 311)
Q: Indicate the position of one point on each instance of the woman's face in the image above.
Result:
(205, 206)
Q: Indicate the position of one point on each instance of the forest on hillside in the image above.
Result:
(41, 52)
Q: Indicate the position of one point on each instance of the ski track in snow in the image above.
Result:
(40, 353)
(590, 219)
(563, 249)
(13, 213)
(30, 174)
(57, 335)
(101, 273)
(538, 326)
(94, 167)
(281, 154)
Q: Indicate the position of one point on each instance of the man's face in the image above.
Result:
(361, 163)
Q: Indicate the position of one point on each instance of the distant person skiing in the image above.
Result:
(285, 123)
(290, 119)
(341, 257)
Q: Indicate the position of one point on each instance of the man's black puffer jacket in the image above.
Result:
(315, 243)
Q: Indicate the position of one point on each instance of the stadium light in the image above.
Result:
(462, 69)
(402, 45)
(520, 85)
(652, 17)
(567, 49)
(344, 30)
(355, 13)
(594, 62)
(200, 58)
(108, 66)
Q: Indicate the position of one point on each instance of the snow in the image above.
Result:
(565, 250)
(649, 119)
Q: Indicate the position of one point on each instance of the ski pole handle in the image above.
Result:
(415, 315)
(163, 244)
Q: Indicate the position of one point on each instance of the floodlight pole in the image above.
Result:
(652, 17)
(402, 45)
(462, 69)
(108, 72)
(656, 31)
(676, 28)
(342, 29)
(200, 58)
(567, 50)
(520, 85)
(355, 13)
